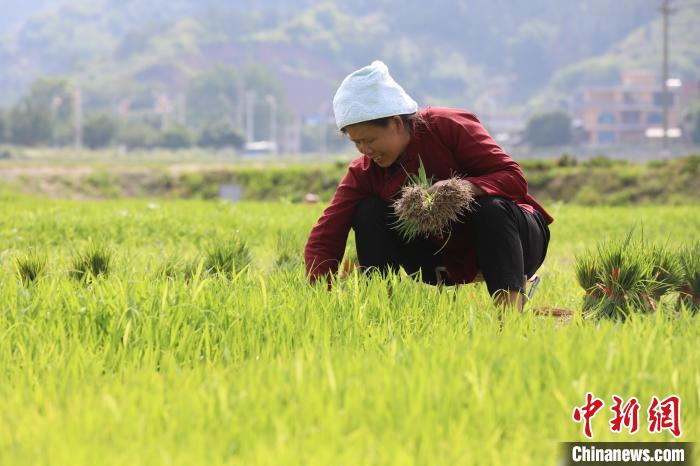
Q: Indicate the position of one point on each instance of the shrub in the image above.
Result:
(138, 136)
(99, 131)
(549, 129)
(177, 137)
(567, 160)
(220, 135)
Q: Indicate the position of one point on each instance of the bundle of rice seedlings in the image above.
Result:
(617, 281)
(94, 261)
(421, 213)
(665, 270)
(227, 257)
(587, 277)
(30, 266)
(689, 258)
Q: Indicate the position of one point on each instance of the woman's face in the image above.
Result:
(382, 144)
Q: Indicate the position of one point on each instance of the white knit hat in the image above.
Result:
(370, 93)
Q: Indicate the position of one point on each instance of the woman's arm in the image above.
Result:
(326, 244)
(485, 163)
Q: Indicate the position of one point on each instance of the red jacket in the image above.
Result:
(453, 142)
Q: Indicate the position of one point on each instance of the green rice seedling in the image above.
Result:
(94, 261)
(423, 213)
(689, 258)
(192, 268)
(288, 249)
(192, 370)
(623, 285)
(587, 271)
(349, 263)
(227, 257)
(172, 267)
(30, 266)
(665, 270)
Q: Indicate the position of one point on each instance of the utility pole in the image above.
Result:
(250, 116)
(78, 118)
(666, 11)
(240, 104)
(273, 120)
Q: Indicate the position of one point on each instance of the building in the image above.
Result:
(631, 112)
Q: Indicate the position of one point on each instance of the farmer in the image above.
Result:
(502, 240)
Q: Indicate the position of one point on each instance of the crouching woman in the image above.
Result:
(502, 239)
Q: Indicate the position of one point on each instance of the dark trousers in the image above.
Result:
(510, 243)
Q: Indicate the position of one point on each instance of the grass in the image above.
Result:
(142, 368)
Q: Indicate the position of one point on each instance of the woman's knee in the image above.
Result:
(491, 210)
(369, 212)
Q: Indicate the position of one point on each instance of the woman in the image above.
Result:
(503, 239)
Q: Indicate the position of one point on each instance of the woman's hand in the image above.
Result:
(475, 189)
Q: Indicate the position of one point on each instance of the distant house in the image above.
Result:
(631, 112)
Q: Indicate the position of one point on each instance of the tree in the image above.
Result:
(176, 137)
(3, 127)
(696, 126)
(99, 130)
(137, 135)
(220, 135)
(29, 125)
(220, 94)
(530, 56)
(213, 95)
(43, 110)
(549, 129)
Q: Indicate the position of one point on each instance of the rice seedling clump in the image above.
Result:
(689, 265)
(30, 266)
(424, 213)
(227, 257)
(627, 276)
(94, 261)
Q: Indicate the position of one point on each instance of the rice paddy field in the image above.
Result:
(158, 361)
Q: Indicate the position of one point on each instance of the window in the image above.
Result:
(655, 118)
(630, 118)
(606, 137)
(658, 99)
(606, 118)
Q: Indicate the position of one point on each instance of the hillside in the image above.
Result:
(455, 52)
(642, 48)
(202, 55)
